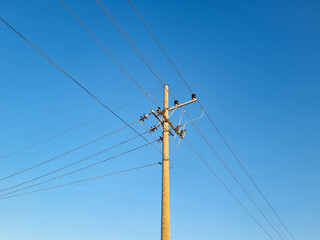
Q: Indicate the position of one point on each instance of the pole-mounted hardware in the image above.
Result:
(165, 119)
(143, 117)
(168, 128)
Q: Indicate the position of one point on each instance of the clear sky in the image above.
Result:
(253, 64)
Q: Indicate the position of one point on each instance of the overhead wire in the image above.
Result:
(106, 50)
(184, 125)
(112, 57)
(65, 153)
(72, 128)
(77, 170)
(117, 25)
(107, 12)
(79, 181)
(243, 188)
(69, 165)
(157, 42)
(69, 75)
(211, 121)
(228, 189)
(79, 84)
(120, 29)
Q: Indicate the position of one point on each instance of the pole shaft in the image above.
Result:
(165, 210)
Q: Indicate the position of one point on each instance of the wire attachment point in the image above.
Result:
(142, 118)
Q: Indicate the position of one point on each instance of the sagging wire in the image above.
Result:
(158, 99)
(170, 167)
(176, 133)
(155, 138)
(176, 145)
(151, 129)
(193, 119)
(143, 126)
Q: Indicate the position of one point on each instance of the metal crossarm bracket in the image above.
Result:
(177, 129)
(182, 104)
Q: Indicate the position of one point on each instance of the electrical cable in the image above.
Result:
(78, 83)
(137, 51)
(73, 128)
(77, 170)
(112, 57)
(210, 119)
(71, 164)
(235, 178)
(101, 45)
(117, 25)
(65, 153)
(192, 119)
(79, 181)
(228, 189)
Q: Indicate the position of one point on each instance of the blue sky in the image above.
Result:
(253, 64)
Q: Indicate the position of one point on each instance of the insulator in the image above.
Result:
(176, 102)
(193, 96)
(180, 134)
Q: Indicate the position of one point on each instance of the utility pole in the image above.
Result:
(168, 129)
(165, 208)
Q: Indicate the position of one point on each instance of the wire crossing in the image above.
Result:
(73, 128)
(78, 83)
(107, 12)
(113, 58)
(166, 130)
(210, 119)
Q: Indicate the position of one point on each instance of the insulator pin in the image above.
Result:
(142, 118)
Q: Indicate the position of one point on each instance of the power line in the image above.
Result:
(77, 170)
(82, 180)
(243, 188)
(107, 12)
(72, 128)
(80, 85)
(210, 119)
(158, 43)
(65, 153)
(71, 164)
(227, 188)
(118, 26)
(112, 57)
(75, 80)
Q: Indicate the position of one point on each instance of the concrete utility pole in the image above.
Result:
(165, 209)
(166, 123)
